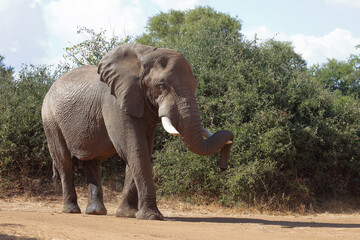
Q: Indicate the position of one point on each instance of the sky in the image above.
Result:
(38, 31)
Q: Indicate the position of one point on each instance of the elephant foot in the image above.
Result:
(149, 215)
(96, 208)
(126, 212)
(71, 208)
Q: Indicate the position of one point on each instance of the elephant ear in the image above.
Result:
(122, 69)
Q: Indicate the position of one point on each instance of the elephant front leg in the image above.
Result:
(142, 174)
(93, 179)
(129, 204)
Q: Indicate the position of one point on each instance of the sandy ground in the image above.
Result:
(40, 219)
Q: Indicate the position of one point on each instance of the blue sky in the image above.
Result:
(38, 31)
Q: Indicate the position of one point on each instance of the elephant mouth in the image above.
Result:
(169, 127)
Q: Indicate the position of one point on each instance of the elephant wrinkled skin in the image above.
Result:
(92, 113)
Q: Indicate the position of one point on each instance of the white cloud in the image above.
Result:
(4, 4)
(338, 44)
(35, 3)
(261, 32)
(119, 17)
(176, 4)
(23, 32)
(37, 31)
(347, 3)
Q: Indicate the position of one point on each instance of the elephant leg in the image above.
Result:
(133, 146)
(66, 172)
(65, 166)
(93, 179)
(142, 174)
(129, 203)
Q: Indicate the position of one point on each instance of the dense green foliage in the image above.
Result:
(343, 76)
(297, 130)
(23, 148)
(295, 142)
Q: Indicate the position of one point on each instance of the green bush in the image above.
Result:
(23, 147)
(343, 76)
(295, 142)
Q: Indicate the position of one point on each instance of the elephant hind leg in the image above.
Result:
(129, 204)
(93, 180)
(65, 166)
(69, 194)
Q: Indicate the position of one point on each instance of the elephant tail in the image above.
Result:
(55, 176)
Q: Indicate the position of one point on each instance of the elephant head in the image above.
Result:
(161, 79)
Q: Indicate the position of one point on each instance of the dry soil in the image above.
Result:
(30, 218)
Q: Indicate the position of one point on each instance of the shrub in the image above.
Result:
(23, 148)
(295, 142)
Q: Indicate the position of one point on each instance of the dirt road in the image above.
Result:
(33, 219)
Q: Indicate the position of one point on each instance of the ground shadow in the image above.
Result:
(8, 237)
(284, 224)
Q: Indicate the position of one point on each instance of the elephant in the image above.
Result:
(91, 113)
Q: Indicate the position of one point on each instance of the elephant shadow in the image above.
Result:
(10, 237)
(283, 224)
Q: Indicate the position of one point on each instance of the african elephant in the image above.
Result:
(92, 113)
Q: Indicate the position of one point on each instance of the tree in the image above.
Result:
(343, 76)
(93, 48)
(285, 124)
(6, 75)
(170, 29)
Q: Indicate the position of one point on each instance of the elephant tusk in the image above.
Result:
(207, 134)
(166, 122)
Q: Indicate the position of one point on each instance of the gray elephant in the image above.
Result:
(92, 113)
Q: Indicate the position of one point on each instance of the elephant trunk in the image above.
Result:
(192, 132)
